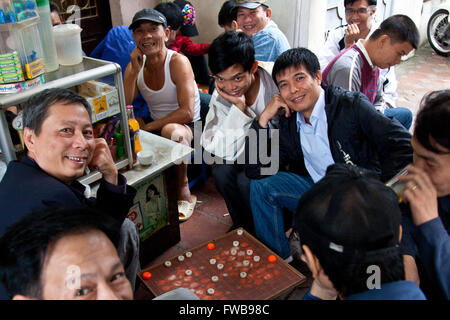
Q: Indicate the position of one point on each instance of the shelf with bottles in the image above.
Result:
(21, 54)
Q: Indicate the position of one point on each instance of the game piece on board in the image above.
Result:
(235, 243)
(212, 261)
(256, 258)
(180, 258)
(240, 232)
(168, 264)
(243, 275)
(215, 278)
(220, 266)
(188, 272)
(272, 258)
(146, 275)
(188, 254)
(210, 291)
(246, 263)
(233, 252)
(249, 252)
(210, 246)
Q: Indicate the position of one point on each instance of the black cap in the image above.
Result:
(148, 15)
(349, 213)
(187, 9)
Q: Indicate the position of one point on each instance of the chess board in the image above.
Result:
(235, 266)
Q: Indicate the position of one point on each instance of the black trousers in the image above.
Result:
(234, 186)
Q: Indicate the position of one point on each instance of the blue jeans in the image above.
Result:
(403, 115)
(268, 197)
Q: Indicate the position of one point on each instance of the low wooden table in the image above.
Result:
(235, 273)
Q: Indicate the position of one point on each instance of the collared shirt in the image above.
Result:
(314, 140)
(361, 47)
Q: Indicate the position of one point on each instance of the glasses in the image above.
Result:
(360, 11)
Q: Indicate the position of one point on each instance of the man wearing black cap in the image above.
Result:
(165, 80)
(187, 9)
(348, 225)
(194, 51)
(253, 18)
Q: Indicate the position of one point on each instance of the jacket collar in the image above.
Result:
(76, 186)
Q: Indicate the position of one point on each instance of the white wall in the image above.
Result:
(412, 9)
(122, 11)
(316, 25)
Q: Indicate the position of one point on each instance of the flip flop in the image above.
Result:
(186, 208)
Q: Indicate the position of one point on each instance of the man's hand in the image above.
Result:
(237, 101)
(136, 59)
(421, 195)
(103, 161)
(272, 109)
(323, 292)
(352, 35)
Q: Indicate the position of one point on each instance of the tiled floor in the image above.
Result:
(423, 72)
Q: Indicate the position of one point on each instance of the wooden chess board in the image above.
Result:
(237, 268)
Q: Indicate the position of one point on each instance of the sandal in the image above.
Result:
(186, 208)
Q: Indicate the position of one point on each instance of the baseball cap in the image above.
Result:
(250, 4)
(187, 9)
(350, 213)
(148, 15)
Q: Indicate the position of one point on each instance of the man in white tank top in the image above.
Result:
(166, 81)
(244, 87)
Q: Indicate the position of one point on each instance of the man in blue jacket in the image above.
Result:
(426, 220)
(348, 225)
(60, 144)
(322, 125)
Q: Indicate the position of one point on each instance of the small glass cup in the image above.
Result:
(396, 185)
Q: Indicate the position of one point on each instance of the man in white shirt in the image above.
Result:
(244, 87)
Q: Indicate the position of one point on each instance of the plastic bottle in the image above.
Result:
(133, 126)
(46, 34)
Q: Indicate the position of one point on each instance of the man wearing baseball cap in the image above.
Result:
(254, 18)
(348, 225)
(166, 81)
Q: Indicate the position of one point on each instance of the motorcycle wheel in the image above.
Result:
(438, 31)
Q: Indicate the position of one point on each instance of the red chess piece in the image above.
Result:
(210, 246)
(146, 275)
(272, 258)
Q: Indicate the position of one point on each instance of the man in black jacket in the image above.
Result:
(322, 125)
(60, 143)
